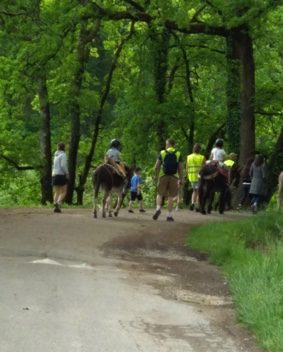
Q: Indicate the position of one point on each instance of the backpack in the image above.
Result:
(170, 163)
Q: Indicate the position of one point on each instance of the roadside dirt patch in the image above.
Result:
(164, 253)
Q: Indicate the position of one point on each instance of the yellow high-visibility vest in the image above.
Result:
(229, 163)
(194, 164)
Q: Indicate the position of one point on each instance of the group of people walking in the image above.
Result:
(169, 175)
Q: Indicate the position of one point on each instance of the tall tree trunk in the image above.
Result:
(191, 99)
(98, 119)
(233, 91)
(161, 50)
(45, 142)
(82, 58)
(275, 165)
(247, 124)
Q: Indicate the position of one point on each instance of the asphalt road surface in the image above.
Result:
(71, 283)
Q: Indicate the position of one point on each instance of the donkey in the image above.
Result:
(212, 179)
(107, 179)
(280, 191)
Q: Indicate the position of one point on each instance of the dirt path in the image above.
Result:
(125, 284)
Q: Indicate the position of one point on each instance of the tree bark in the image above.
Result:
(191, 99)
(45, 142)
(233, 91)
(160, 58)
(247, 123)
(275, 166)
(75, 111)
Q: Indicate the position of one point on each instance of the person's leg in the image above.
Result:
(159, 199)
(63, 192)
(193, 199)
(172, 192)
(133, 197)
(170, 205)
(56, 193)
(121, 169)
(56, 197)
(130, 207)
(141, 206)
(140, 200)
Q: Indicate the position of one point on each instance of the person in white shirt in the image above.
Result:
(113, 157)
(218, 153)
(60, 176)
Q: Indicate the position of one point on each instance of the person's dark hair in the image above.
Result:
(219, 143)
(61, 146)
(197, 148)
(115, 143)
(171, 141)
(259, 160)
(137, 169)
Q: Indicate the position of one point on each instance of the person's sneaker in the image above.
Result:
(169, 218)
(130, 211)
(192, 207)
(254, 208)
(142, 211)
(57, 208)
(156, 214)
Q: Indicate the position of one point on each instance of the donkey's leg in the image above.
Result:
(210, 201)
(206, 196)
(202, 191)
(106, 195)
(94, 204)
(222, 199)
(109, 204)
(119, 203)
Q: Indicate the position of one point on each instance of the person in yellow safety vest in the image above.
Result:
(168, 165)
(195, 162)
(229, 163)
(232, 158)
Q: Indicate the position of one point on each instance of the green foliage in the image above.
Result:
(250, 253)
(22, 189)
(149, 98)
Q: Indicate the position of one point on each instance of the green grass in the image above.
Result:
(251, 255)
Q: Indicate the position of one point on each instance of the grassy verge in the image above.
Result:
(251, 254)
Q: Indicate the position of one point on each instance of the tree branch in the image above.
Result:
(135, 5)
(271, 113)
(15, 164)
(192, 28)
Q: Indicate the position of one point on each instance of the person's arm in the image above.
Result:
(139, 186)
(251, 171)
(187, 167)
(64, 165)
(157, 168)
(180, 172)
(263, 172)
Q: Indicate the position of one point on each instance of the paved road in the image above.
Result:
(69, 285)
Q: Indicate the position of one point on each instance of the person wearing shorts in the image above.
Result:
(60, 176)
(171, 161)
(195, 162)
(136, 194)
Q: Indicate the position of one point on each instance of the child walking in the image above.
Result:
(136, 182)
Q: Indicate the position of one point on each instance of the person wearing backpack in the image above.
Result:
(169, 163)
